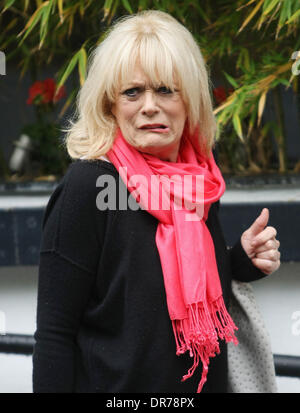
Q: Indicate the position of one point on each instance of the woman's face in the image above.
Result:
(151, 120)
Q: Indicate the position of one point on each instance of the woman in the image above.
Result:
(133, 292)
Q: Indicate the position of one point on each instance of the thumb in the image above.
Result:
(260, 222)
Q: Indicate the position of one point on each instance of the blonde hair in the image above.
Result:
(164, 48)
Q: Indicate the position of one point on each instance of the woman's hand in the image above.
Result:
(261, 245)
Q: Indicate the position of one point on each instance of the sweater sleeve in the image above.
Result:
(69, 253)
(63, 293)
(242, 268)
(241, 265)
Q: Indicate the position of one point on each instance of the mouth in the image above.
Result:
(155, 127)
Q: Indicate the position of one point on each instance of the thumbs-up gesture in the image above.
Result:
(261, 245)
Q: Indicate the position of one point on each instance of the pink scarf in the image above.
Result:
(193, 290)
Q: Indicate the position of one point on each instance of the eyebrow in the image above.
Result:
(138, 83)
(134, 83)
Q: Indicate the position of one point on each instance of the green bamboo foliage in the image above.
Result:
(248, 45)
(267, 68)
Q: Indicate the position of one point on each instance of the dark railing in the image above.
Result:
(288, 366)
(17, 344)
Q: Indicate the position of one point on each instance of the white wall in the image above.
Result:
(278, 296)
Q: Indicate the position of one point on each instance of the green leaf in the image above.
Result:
(7, 4)
(284, 13)
(251, 15)
(44, 23)
(237, 126)
(113, 11)
(271, 6)
(107, 6)
(223, 116)
(231, 80)
(200, 11)
(81, 8)
(289, 9)
(82, 59)
(143, 4)
(68, 70)
(26, 4)
(69, 100)
(127, 6)
(294, 17)
(60, 10)
(251, 121)
(32, 22)
(285, 82)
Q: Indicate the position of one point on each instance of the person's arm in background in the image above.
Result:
(68, 259)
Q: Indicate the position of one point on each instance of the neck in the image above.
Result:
(168, 154)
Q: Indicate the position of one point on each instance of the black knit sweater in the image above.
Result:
(102, 318)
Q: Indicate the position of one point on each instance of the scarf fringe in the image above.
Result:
(199, 334)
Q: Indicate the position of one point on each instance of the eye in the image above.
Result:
(164, 90)
(133, 92)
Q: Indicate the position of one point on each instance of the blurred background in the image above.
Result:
(252, 51)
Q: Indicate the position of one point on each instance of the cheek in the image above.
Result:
(126, 112)
(178, 112)
(180, 118)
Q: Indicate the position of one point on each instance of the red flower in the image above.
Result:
(44, 92)
(220, 94)
(49, 89)
(35, 92)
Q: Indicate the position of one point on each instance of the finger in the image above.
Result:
(272, 244)
(266, 266)
(260, 222)
(267, 234)
(272, 255)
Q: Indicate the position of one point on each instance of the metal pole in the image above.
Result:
(17, 344)
(288, 366)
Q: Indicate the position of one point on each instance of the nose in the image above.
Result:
(149, 106)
